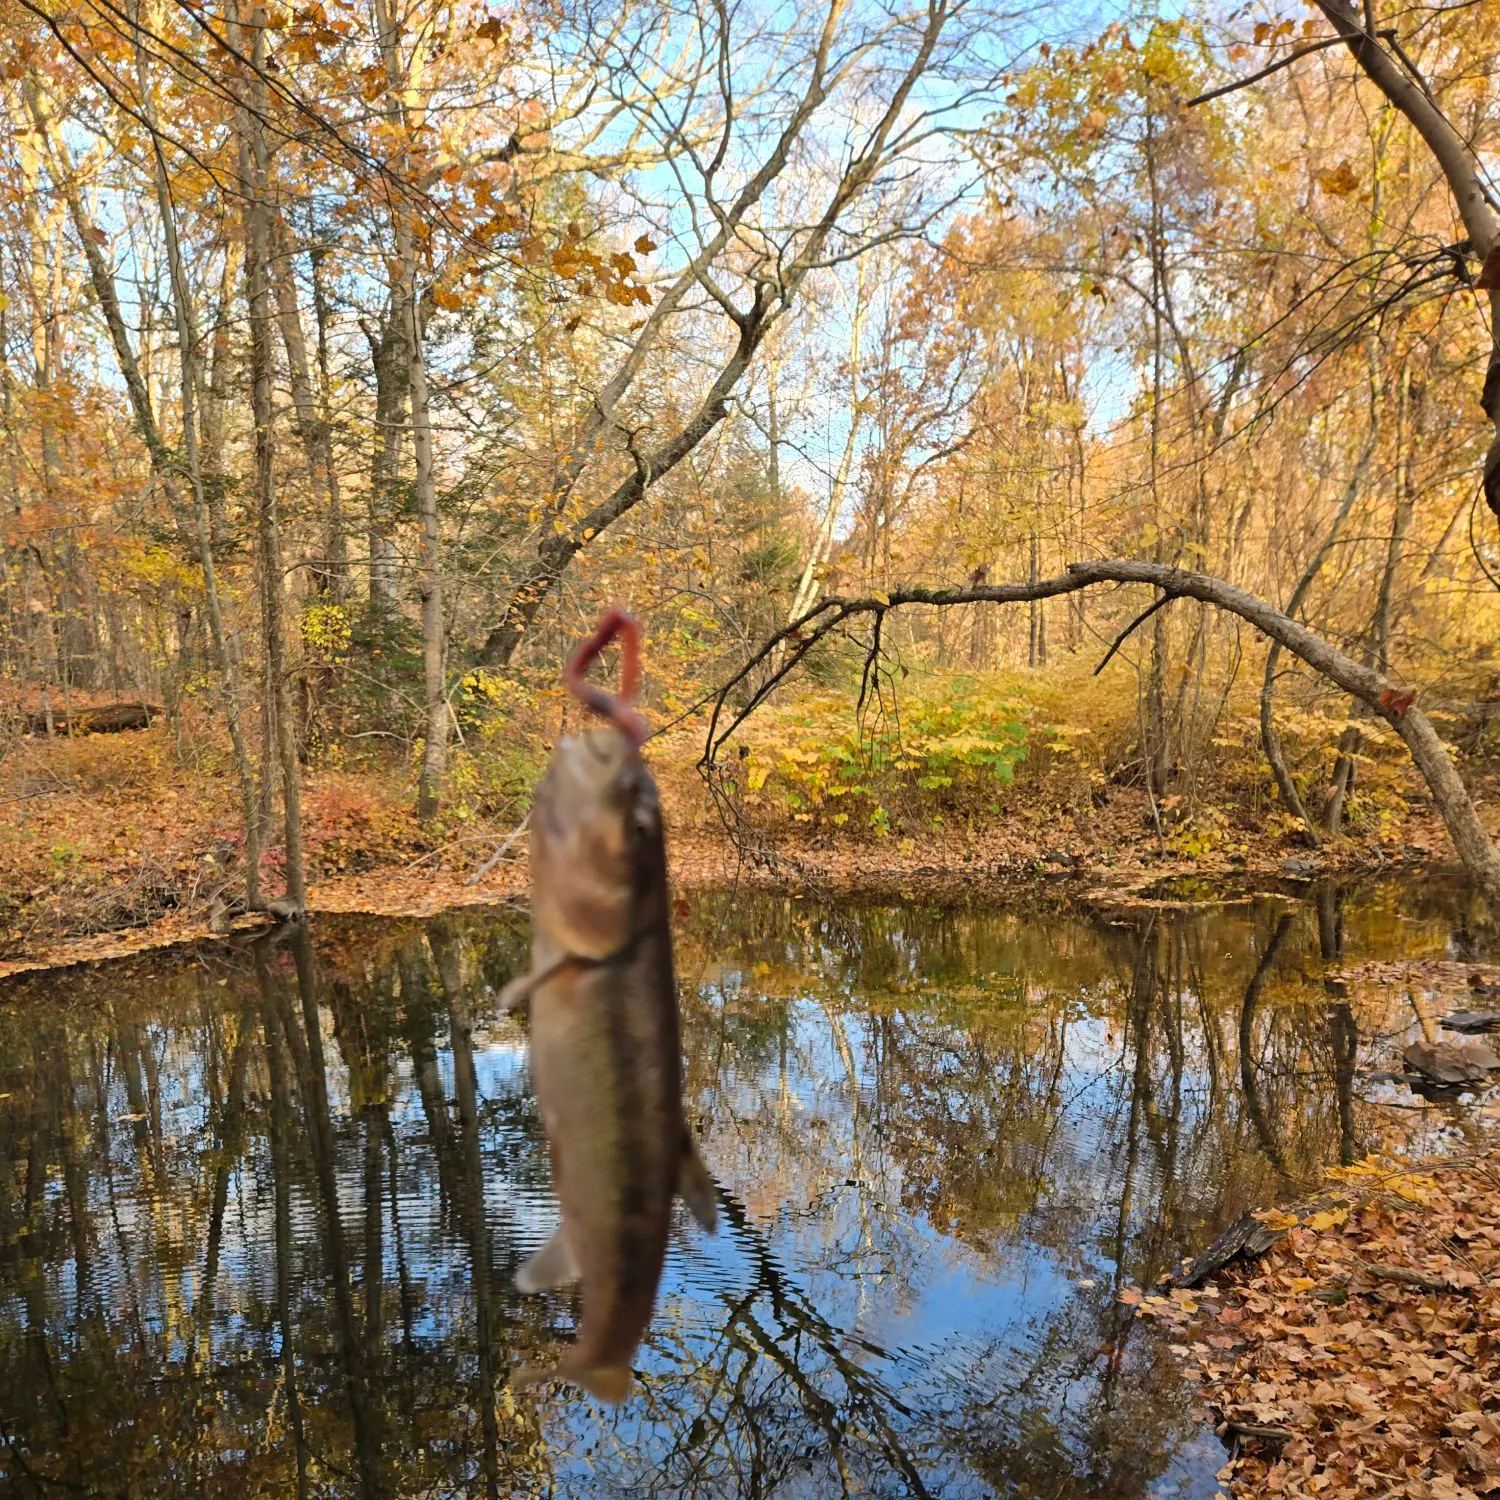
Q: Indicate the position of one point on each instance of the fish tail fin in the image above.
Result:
(696, 1186)
(610, 1383)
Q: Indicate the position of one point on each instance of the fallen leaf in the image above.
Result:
(1340, 181)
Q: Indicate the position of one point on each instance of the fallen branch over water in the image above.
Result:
(780, 653)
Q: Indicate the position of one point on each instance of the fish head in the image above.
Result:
(597, 863)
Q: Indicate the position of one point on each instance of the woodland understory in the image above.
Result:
(112, 846)
(1057, 440)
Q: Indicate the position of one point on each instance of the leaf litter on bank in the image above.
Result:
(1361, 1355)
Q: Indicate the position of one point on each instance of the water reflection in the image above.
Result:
(260, 1207)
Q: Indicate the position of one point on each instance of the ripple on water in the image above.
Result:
(942, 1139)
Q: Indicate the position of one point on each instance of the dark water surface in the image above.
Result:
(260, 1207)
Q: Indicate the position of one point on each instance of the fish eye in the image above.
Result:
(645, 811)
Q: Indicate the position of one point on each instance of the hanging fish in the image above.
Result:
(606, 1059)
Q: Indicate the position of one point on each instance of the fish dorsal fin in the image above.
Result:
(552, 1265)
(696, 1186)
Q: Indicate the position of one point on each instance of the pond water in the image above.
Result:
(261, 1205)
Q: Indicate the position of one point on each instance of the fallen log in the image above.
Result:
(106, 718)
(1250, 1237)
(1247, 1237)
(1472, 1022)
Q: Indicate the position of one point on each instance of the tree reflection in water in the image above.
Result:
(260, 1207)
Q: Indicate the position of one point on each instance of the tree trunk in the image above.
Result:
(392, 374)
(822, 547)
(338, 544)
(1342, 781)
(404, 111)
(311, 424)
(187, 346)
(435, 748)
(1270, 741)
(216, 399)
(255, 173)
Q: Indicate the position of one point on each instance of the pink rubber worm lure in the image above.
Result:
(618, 708)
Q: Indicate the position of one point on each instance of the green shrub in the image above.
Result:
(941, 744)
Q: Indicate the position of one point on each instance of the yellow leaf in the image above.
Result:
(1274, 1219)
(1328, 1219)
(1340, 181)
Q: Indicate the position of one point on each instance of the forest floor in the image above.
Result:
(114, 843)
(1360, 1356)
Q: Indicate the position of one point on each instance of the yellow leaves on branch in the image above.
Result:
(611, 274)
(1271, 32)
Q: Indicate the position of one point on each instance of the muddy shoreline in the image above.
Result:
(990, 871)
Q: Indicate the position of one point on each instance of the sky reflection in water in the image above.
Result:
(260, 1207)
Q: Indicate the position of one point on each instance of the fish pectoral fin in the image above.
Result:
(696, 1186)
(552, 1265)
(518, 990)
(523, 986)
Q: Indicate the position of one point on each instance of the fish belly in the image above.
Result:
(607, 1076)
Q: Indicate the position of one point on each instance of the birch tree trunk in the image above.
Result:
(807, 584)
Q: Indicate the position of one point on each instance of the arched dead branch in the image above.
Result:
(1387, 699)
